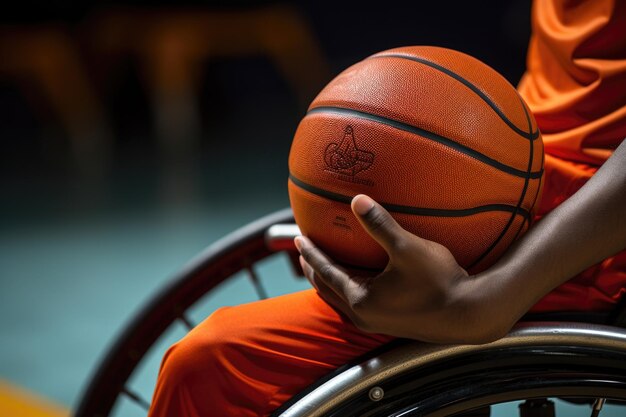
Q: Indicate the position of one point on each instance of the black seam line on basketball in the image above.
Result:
(519, 203)
(479, 92)
(530, 166)
(419, 211)
(528, 219)
(428, 135)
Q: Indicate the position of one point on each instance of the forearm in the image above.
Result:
(587, 228)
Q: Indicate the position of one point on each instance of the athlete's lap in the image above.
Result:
(249, 359)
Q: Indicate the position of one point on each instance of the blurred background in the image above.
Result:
(134, 134)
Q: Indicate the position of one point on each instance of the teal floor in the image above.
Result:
(69, 286)
(81, 252)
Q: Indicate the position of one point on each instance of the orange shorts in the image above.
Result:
(249, 359)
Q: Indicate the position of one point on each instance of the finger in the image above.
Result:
(327, 294)
(333, 276)
(319, 285)
(377, 222)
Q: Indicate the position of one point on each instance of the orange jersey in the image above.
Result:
(575, 85)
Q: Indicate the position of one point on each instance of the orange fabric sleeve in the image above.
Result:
(575, 82)
(575, 85)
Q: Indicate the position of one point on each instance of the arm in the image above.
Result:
(585, 229)
(424, 294)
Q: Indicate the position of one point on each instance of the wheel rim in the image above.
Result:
(421, 379)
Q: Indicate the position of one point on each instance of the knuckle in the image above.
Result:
(400, 245)
(325, 270)
(362, 307)
(378, 220)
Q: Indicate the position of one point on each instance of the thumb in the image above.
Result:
(377, 222)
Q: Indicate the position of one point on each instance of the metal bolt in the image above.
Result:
(376, 394)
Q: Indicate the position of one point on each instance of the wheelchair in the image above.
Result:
(579, 358)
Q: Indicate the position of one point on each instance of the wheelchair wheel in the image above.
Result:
(241, 251)
(581, 362)
(404, 379)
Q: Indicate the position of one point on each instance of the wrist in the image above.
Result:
(480, 311)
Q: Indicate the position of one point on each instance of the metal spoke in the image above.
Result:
(188, 323)
(254, 278)
(136, 398)
(597, 406)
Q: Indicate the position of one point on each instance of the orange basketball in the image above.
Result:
(440, 139)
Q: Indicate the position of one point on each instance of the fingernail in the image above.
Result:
(298, 241)
(362, 204)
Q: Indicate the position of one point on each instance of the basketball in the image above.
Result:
(438, 138)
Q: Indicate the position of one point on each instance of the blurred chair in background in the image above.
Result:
(171, 46)
(45, 63)
(65, 71)
(170, 49)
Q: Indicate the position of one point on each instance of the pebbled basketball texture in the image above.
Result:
(437, 137)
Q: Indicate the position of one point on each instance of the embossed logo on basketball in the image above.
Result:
(346, 159)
